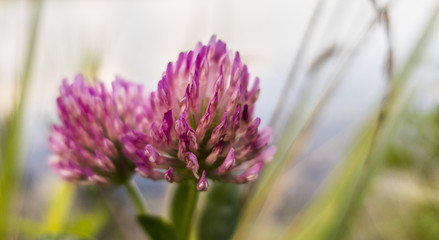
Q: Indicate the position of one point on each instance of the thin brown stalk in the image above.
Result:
(390, 110)
(284, 160)
(291, 78)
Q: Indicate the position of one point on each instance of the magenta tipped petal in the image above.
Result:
(192, 163)
(200, 119)
(250, 174)
(169, 175)
(202, 184)
(93, 123)
(228, 163)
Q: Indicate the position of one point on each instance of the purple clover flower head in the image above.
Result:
(201, 121)
(87, 144)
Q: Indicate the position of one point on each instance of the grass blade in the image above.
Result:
(59, 208)
(323, 216)
(328, 216)
(291, 141)
(10, 138)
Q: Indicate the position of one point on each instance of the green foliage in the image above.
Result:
(9, 171)
(63, 237)
(413, 145)
(220, 215)
(61, 222)
(156, 227)
(88, 224)
(425, 224)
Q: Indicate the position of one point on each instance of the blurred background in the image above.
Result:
(329, 70)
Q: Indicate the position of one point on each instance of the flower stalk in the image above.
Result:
(136, 197)
(183, 207)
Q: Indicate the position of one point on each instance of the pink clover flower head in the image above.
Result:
(201, 121)
(87, 144)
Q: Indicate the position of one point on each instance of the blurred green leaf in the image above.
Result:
(10, 152)
(156, 227)
(425, 223)
(220, 215)
(61, 222)
(63, 236)
(182, 208)
(413, 144)
(59, 208)
(30, 229)
(88, 224)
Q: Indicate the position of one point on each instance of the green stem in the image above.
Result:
(183, 206)
(136, 196)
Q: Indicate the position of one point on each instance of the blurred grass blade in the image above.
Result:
(88, 224)
(10, 152)
(418, 50)
(292, 138)
(397, 101)
(310, 29)
(30, 229)
(328, 216)
(63, 236)
(322, 217)
(399, 82)
(59, 208)
(57, 216)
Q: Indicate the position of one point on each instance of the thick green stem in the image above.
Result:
(136, 197)
(183, 206)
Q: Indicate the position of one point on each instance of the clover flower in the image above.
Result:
(87, 144)
(201, 122)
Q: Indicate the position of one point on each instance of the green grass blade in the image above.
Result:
(10, 139)
(322, 217)
(292, 138)
(329, 215)
(59, 209)
(88, 224)
(398, 97)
